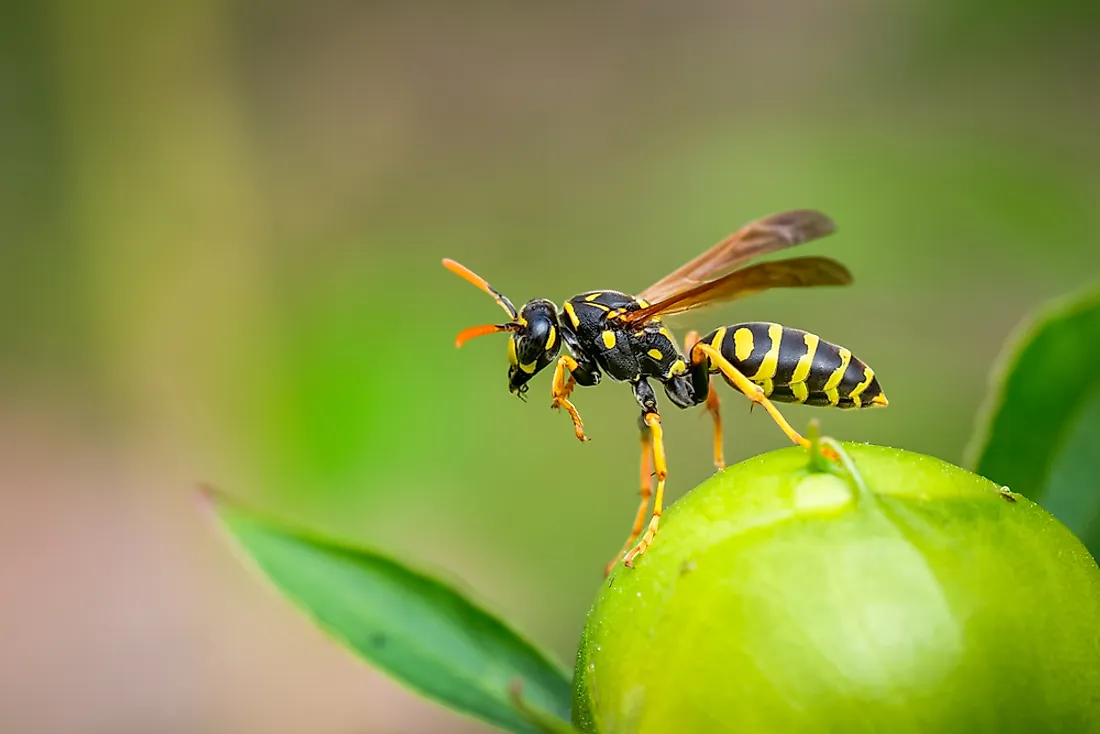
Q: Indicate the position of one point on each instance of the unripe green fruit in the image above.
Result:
(782, 600)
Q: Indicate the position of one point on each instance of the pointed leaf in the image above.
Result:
(415, 628)
(1041, 426)
(543, 721)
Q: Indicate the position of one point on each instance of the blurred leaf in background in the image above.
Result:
(1041, 431)
(415, 628)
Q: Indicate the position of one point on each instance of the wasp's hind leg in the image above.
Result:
(752, 391)
(702, 384)
(567, 374)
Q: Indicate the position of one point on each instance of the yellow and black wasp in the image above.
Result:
(623, 336)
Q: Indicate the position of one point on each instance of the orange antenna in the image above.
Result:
(475, 331)
(471, 277)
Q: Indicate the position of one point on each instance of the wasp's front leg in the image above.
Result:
(567, 373)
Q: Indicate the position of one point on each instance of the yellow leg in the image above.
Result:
(654, 422)
(647, 493)
(755, 393)
(562, 387)
(752, 391)
(712, 404)
(712, 408)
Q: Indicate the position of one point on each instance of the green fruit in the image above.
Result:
(784, 600)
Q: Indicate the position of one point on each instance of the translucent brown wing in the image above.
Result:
(757, 238)
(799, 272)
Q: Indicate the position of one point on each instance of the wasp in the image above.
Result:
(623, 336)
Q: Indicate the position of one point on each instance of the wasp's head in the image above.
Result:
(534, 337)
(534, 344)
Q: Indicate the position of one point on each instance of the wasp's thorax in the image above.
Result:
(533, 344)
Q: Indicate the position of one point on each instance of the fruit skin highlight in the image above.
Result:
(780, 599)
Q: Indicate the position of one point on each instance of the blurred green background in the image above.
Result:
(220, 233)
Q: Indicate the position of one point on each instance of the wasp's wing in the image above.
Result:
(758, 238)
(799, 272)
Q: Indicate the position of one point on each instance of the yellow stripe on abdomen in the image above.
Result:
(800, 391)
(770, 363)
(806, 361)
(832, 395)
(742, 344)
(868, 376)
(838, 373)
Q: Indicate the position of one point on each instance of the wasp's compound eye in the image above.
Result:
(531, 341)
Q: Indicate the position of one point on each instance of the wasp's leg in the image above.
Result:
(652, 420)
(567, 374)
(646, 494)
(701, 378)
(753, 392)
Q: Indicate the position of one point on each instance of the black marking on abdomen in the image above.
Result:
(827, 360)
(792, 349)
(750, 360)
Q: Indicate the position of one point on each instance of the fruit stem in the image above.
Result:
(822, 464)
(849, 466)
(818, 462)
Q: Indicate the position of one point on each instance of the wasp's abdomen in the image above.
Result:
(793, 366)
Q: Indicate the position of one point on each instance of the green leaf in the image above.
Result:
(1040, 434)
(544, 722)
(415, 628)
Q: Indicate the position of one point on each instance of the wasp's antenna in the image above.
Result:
(475, 331)
(468, 275)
